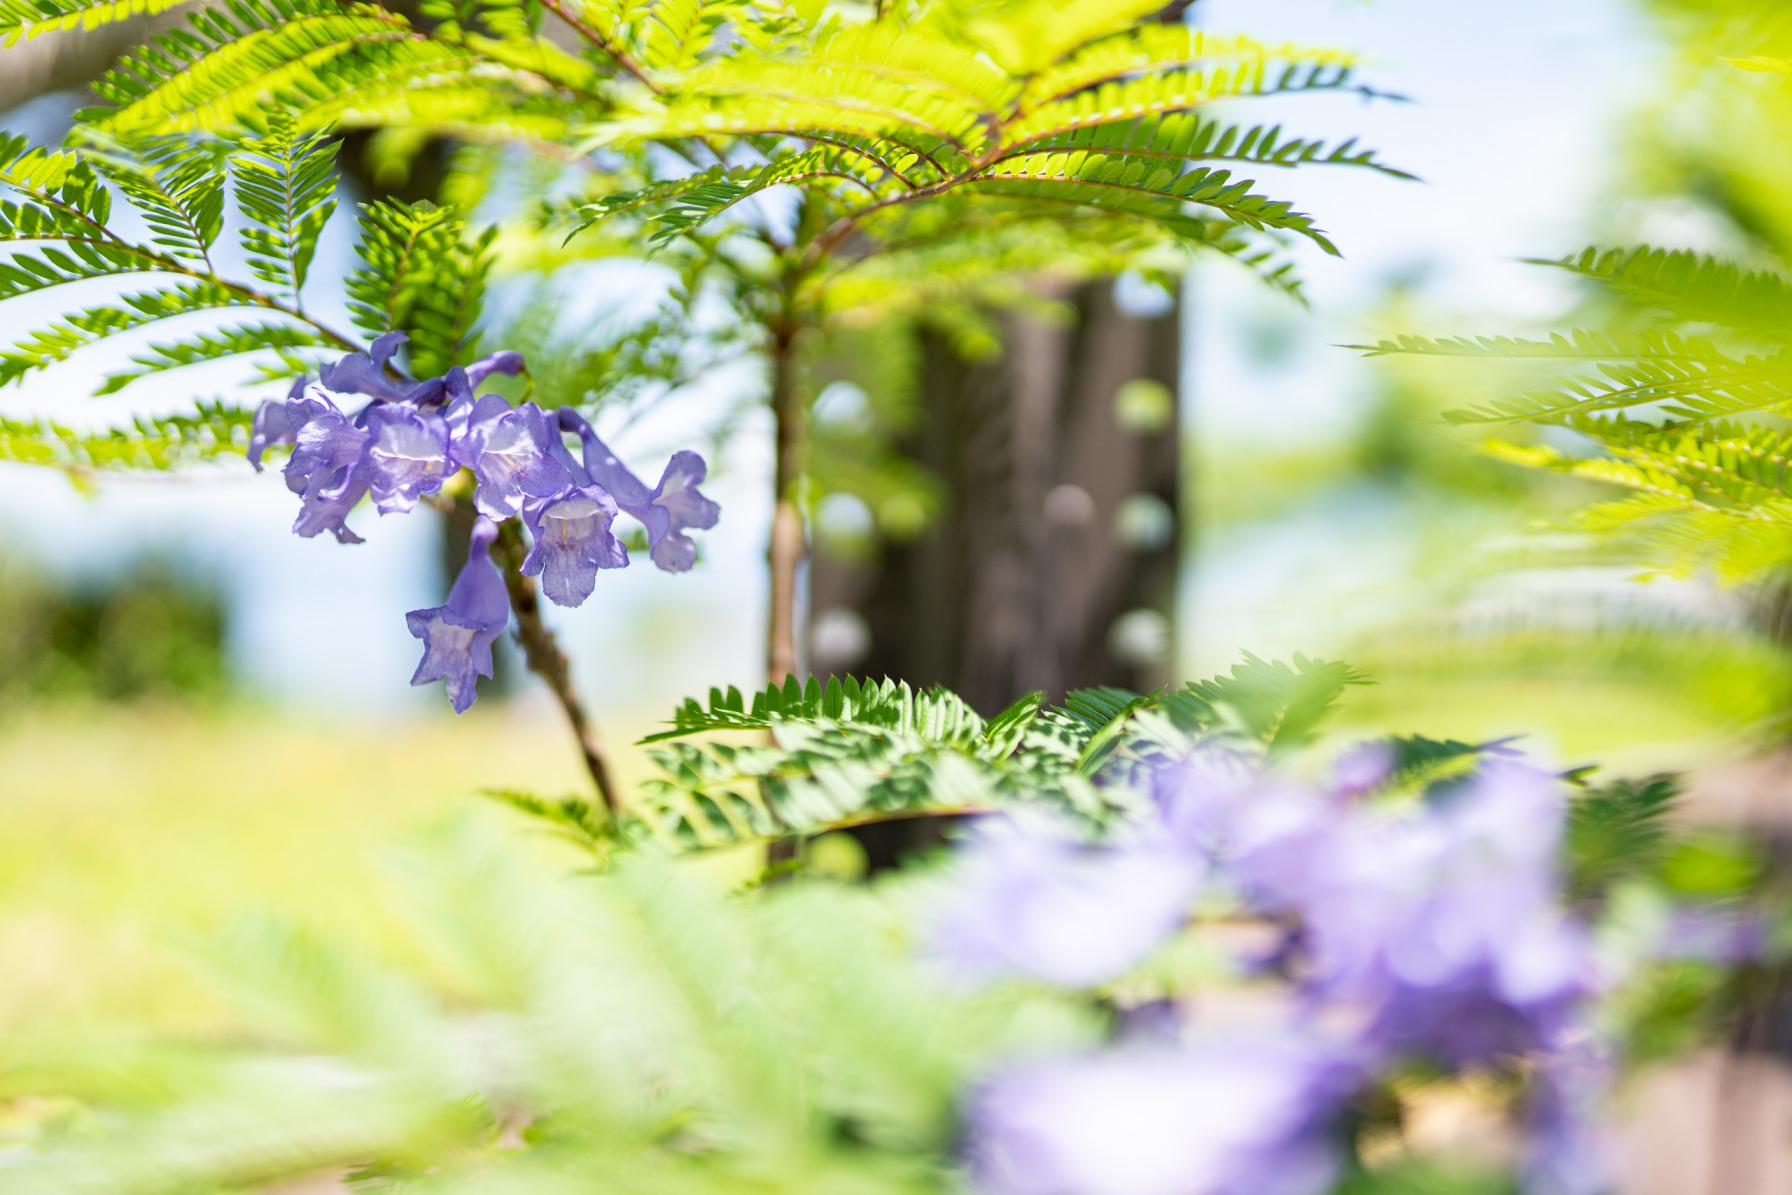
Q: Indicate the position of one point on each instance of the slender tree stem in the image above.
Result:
(542, 651)
(787, 548)
(615, 52)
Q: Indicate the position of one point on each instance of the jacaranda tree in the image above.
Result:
(816, 167)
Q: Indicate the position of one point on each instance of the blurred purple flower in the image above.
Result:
(1568, 1151)
(1026, 901)
(458, 636)
(1723, 935)
(571, 541)
(1442, 920)
(1363, 769)
(1240, 1116)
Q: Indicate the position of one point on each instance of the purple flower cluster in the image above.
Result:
(1429, 931)
(409, 438)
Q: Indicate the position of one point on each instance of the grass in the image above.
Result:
(130, 832)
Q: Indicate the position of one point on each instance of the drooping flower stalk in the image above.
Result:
(542, 653)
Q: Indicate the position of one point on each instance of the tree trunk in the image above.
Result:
(1053, 563)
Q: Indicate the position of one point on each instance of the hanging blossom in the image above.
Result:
(408, 438)
(1432, 931)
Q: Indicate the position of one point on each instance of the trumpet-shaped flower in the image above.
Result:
(510, 450)
(407, 455)
(668, 511)
(571, 541)
(410, 437)
(458, 635)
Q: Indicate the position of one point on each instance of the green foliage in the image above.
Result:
(1678, 379)
(24, 19)
(940, 153)
(828, 755)
(344, 65)
(159, 443)
(59, 203)
(1278, 704)
(1682, 402)
(419, 271)
(1618, 830)
(286, 191)
(1688, 287)
(1011, 115)
(153, 633)
(174, 183)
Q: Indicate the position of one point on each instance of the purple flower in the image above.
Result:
(368, 373)
(325, 442)
(325, 505)
(407, 455)
(511, 452)
(365, 373)
(1241, 1116)
(668, 511)
(1441, 921)
(273, 424)
(1029, 902)
(410, 437)
(327, 466)
(571, 541)
(1363, 769)
(458, 637)
(504, 362)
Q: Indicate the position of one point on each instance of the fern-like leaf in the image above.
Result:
(174, 181)
(421, 272)
(1160, 192)
(160, 443)
(205, 347)
(1619, 829)
(1688, 286)
(21, 20)
(286, 190)
(1182, 136)
(60, 339)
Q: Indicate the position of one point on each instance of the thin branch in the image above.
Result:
(784, 555)
(616, 53)
(841, 229)
(542, 652)
(171, 265)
